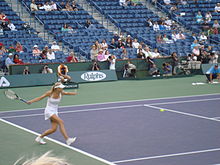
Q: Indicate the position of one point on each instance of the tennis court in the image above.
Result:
(165, 121)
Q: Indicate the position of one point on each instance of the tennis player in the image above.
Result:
(51, 112)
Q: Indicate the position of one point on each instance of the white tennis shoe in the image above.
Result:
(69, 141)
(40, 140)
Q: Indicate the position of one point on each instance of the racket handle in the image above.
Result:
(23, 100)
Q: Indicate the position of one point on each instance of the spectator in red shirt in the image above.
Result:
(71, 58)
(17, 60)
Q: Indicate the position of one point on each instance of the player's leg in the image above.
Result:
(53, 128)
(60, 122)
(62, 129)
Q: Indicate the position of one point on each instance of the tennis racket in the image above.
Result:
(13, 96)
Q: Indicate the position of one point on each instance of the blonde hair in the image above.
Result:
(45, 159)
(53, 87)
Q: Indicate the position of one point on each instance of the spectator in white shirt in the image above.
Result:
(217, 7)
(180, 36)
(11, 26)
(202, 37)
(53, 6)
(33, 6)
(156, 27)
(173, 36)
(55, 47)
(50, 55)
(135, 43)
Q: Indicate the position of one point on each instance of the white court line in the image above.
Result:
(59, 143)
(108, 108)
(182, 113)
(166, 156)
(76, 111)
(163, 98)
(186, 101)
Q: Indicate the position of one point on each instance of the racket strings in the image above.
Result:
(10, 94)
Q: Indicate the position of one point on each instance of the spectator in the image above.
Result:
(51, 55)
(196, 51)
(124, 54)
(120, 45)
(173, 36)
(203, 38)
(112, 62)
(104, 45)
(149, 23)
(135, 43)
(36, 51)
(11, 26)
(93, 53)
(216, 24)
(199, 17)
(156, 53)
(213, 73)
(141, 54)
(5, 26)
(44, 52)
(46, 69)
(113, 44)
(180, 36)
(17, 60)
(174, 62)
(128, 42)
(217, 8)
(19, 47)
(156, 27)
(107, 54)
(72, 58)
(26, 70)
(95, 66)
(26, 26)
(33, 6)
(53, 6)
(98, 45)
(167, 69)
(195, 43)
(101, 56)
(194, 37)
(208, 17)
(46, 7)
(159, 39)
(166, 39)
(116, 37)
(147, 51)
(3, 50)
(55, 47)
(129, 70)
(9, 60)
(65, 28)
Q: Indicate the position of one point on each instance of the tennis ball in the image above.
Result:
(162, 110)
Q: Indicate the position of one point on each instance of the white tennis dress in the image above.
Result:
(52, 107)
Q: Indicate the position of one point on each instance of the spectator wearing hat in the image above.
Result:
(101, 56)
(55, 47)
(213, 73)
(36, 51)
(9, 60)
(217, 8)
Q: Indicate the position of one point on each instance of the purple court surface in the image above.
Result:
(186, 132)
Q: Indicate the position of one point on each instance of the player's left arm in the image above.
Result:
(69, 93)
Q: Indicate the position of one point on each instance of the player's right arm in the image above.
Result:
(47, 94)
